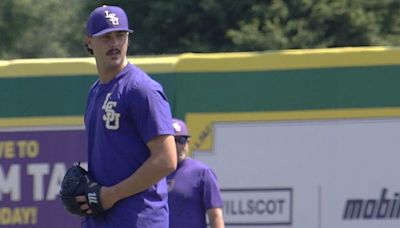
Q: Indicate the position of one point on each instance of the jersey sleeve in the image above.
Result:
(211, 192)
(151, 112)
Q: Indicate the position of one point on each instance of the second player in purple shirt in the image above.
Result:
(194, 194)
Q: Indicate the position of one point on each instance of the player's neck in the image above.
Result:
(181, 158)
(106, 74)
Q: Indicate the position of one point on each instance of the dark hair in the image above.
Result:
(88, 49)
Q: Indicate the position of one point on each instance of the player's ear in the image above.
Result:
(88, 45)
(130, 39)
(88, 41)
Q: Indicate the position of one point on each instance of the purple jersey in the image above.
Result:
(121, 117)
(193, 190)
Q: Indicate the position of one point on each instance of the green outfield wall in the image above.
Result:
(348, 98)
(44, 90)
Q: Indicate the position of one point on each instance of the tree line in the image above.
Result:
(55, 28)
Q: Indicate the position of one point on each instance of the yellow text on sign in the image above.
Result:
(11, 149)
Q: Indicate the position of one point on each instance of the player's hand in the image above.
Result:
(84, 204)
(108, 197)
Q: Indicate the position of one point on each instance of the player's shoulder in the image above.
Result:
(138, 79)
(197, 164)
(94, 87)
(200, 168)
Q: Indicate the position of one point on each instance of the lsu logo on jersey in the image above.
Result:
(110, 117)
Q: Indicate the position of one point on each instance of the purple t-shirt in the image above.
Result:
(193, 189)
(121, 117)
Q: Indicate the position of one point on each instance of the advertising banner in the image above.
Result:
(32, 165)
(315, 173)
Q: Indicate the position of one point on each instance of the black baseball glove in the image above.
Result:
(76, 182)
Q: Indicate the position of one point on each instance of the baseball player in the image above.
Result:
(131, 147)
(194, 194)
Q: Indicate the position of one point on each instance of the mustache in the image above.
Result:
(113, 51)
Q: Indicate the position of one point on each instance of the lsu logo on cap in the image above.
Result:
(177, 127)
(112, 18)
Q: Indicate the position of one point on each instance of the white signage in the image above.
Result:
(338, 173)
(258, 206)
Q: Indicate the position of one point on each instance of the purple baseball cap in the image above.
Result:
(106, 19)
(180, 128)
